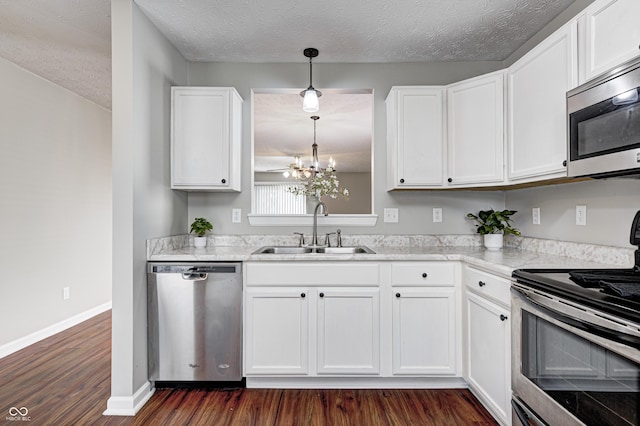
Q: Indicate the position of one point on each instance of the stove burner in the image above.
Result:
(592, 278)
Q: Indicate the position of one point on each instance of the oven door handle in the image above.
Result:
(598, 330)
(526, 417)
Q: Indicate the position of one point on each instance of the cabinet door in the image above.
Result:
(349, 331)
(415, 136)
(612, 34)
(205, 138)
(489, 345)
(475, 116)
(425, 337)
(276, 331)
(537, 117)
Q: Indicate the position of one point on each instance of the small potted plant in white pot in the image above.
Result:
(493, 225)
(200, 226)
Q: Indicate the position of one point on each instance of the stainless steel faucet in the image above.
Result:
(314, 238)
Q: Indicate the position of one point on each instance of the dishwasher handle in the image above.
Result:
(193, 269)
(194, 276)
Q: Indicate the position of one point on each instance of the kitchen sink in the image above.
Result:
(310, 250)
(283, 250)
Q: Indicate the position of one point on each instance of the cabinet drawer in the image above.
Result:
(488, 285)
(313, 273)
(423, 273)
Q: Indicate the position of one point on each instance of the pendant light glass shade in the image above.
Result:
(310, 102)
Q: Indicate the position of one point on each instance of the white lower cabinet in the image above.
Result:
(348, 331)
(277, 331)
(488, 340)
(424, 331)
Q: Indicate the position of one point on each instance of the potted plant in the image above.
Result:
(493, 225)
(200, 226)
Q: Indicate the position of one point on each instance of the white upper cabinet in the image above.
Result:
(415, 137)
(612, 35)
(475, 117)
(537, 127)
(206, 138)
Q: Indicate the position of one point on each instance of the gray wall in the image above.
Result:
(145, 66)
(415, 206)
(55, 204)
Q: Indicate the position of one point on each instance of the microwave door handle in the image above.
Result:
(595, 329)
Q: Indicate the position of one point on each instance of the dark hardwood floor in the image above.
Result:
(65, 380)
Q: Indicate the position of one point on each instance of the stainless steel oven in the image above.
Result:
(571, 364)
(576, 345)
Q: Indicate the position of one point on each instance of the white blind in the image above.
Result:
(273, 198)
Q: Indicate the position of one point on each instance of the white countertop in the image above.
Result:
(501, 262)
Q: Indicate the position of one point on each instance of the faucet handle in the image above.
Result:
(301, 242)
(327, 240)
(339, 238)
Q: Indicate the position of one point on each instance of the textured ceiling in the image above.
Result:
(350, 31)
(69, 41)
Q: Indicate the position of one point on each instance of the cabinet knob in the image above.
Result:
(321, 294)
(449, 180)
(401, 180)
(503, 317)
(481, 283)
(564, 163)
(424, 275)
(397, 294)
(224, 181)
(303, 295)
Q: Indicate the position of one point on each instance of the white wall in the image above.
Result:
(145, 66)
(414, 206)
(55, 204)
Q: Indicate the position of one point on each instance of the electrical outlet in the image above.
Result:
(437, 214)
(236, 215)
(581, 215)
(66, 293)
(535, 215)
(391, 215)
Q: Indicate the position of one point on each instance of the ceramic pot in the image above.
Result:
(312, 202)
(199, 242)
(493, 241)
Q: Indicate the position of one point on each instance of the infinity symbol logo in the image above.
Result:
(22, 411)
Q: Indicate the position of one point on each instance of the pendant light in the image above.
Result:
(310, 95)
(299, 171)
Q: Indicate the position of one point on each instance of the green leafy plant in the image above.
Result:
(200, 226)
(494, 222)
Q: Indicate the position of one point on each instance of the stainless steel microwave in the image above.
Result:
(603, 117)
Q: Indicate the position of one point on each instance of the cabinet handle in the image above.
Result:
(397, 294)
(564, 163)
(503, 317)
(224, 181)
(481, 283)
(449, 180)
(424, 275)
(401, 180)
(321, 294)
(303, 295)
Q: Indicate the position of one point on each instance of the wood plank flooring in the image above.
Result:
(65, 380)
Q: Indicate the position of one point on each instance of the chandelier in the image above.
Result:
(299, 171)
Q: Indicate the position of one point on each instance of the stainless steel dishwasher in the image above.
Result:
(195, 321)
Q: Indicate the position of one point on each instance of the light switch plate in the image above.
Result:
(66, 293)
(391, 215)
(535, 215)
(236, 215)
(437, 214)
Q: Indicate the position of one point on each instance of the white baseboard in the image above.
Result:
(129, 405)
(23, 342)
(357, 382)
